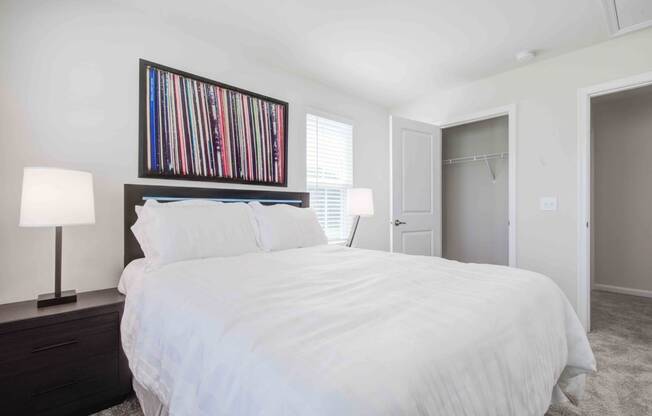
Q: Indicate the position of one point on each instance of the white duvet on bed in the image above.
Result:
(330, 330)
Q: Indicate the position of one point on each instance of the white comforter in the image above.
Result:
(336, 331)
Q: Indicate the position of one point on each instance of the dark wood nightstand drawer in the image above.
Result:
(63, 360)
(27, 350)
(57, 386)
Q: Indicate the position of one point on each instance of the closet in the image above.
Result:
(475, 214)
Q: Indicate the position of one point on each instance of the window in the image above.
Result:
(330, 173)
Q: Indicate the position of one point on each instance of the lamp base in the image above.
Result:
(50, 299)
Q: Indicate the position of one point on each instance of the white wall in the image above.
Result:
(622, 219)
(546, 96)
(69, 98)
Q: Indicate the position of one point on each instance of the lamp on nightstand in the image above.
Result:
(360, 202)
(53, 198)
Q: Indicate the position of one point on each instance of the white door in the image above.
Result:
(416, 187)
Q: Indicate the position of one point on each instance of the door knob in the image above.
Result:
(398, 222)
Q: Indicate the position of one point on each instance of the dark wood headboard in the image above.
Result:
(138, 194)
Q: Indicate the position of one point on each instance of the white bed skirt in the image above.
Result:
(149, 403)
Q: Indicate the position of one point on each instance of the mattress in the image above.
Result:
(331, 330)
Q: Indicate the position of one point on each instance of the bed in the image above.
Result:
(331, 330)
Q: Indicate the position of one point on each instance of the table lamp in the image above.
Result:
(360, 203)
(53, 198)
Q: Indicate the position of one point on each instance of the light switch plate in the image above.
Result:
(548, 203)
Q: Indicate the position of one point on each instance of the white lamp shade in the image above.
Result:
(54, 197)
(360, 202)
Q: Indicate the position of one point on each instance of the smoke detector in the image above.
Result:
(525, 56)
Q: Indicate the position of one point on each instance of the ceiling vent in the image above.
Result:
(625, 16)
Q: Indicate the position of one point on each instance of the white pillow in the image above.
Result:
(198, 201)
(139, 227)
(175, 232)
(131, 275)
(283, 226)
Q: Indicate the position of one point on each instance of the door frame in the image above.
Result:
(584, 195)
(509, 111)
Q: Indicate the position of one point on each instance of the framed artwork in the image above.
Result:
(193, 128)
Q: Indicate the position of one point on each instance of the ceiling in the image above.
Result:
(388, 51)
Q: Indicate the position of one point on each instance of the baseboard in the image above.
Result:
(622, 290)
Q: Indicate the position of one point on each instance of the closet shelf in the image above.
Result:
(479, 158)
(476, 158)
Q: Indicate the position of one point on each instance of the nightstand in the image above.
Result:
(64, 359)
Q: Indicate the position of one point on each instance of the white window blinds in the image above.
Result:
(330, 173)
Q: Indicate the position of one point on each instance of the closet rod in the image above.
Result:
(476, 158)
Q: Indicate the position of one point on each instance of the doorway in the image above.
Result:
(416, 181)
(608, 210)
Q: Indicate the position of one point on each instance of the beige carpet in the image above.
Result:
(621, 338)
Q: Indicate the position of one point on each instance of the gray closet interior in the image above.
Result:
(475, 192)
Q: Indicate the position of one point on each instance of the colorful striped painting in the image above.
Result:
(195, 129)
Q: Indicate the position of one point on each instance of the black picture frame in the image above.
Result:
(142, 127)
